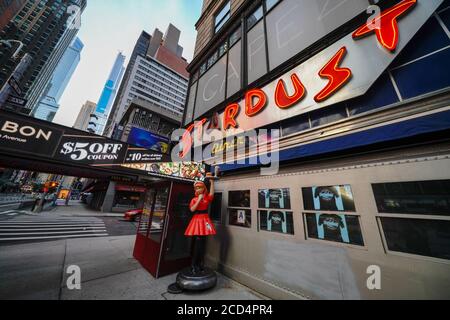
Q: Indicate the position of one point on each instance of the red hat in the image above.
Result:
(199, 182)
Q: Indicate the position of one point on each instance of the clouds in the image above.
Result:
(110, 26)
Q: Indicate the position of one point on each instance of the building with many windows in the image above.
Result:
(8, 9)
(38, 35)
(84, 116)
(354, 123)
(148, 125)
(100, 117)
(49, 105)
(156, 73)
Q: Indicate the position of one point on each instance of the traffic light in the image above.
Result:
(51, 185)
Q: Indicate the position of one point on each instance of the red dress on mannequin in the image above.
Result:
(201, 224)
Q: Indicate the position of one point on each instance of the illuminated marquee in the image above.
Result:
(339, 66)
(387, 32)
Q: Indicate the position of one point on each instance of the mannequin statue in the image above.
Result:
(197, 277)
(201, 225)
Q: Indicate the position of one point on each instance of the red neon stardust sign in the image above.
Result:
(338, 76)
(387, 33)
(282, 99)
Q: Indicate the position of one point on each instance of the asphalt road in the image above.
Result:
(22, 226)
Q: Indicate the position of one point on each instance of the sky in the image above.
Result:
(112, 26)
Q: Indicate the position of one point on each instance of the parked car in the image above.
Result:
(132, 215)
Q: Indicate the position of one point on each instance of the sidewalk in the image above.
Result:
(79, 209)
(108, 272)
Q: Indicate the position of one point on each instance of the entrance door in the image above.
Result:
(176, 247)
(147, 246)
(160, 245)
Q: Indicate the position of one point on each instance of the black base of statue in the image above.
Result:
(189, 281)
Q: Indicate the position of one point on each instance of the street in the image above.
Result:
(74, 221)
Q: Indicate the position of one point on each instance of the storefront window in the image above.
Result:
(276, 221)
(334, 227)
(239, 212)
(329, 198)
(428, 235)
(274, 199)
(423, 197)
(125, 199)
(294, 25)
(159, 214)
(239, 199)
(256, 52)
(240, 217)
(429, 238)
(216, 208)
(234, 69)
(328, 226)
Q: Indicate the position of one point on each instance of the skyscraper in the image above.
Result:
(156, 74)
(42, 31)
(140, 48)
(8, 9)
(106, 100)
(49, 104)
(84, 116)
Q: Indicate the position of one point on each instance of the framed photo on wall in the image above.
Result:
(276, 221)
(334, 227)
(329, 198)
(240, 217)
(274, 199)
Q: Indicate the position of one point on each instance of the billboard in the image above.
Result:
(17, 134)
(145, 139)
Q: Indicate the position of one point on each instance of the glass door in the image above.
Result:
(144, 222)
(154, 223)
(176, 247)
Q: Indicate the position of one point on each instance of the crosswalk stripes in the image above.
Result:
(14, 213)
(39, 228)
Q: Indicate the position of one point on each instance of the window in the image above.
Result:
(212, 59)
(424, 197)
(256, 53)
(255, 17)
(414, 217)
(422, 237)
(239, 212)
(222, 17)
(235, 36)
(271, 3)
(334, 227)
(339, 222)
(330, 198)
(272, 215)
(216, 208)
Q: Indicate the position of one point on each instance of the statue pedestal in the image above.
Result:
(188, 281)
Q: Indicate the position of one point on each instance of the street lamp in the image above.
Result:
(8, 43)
